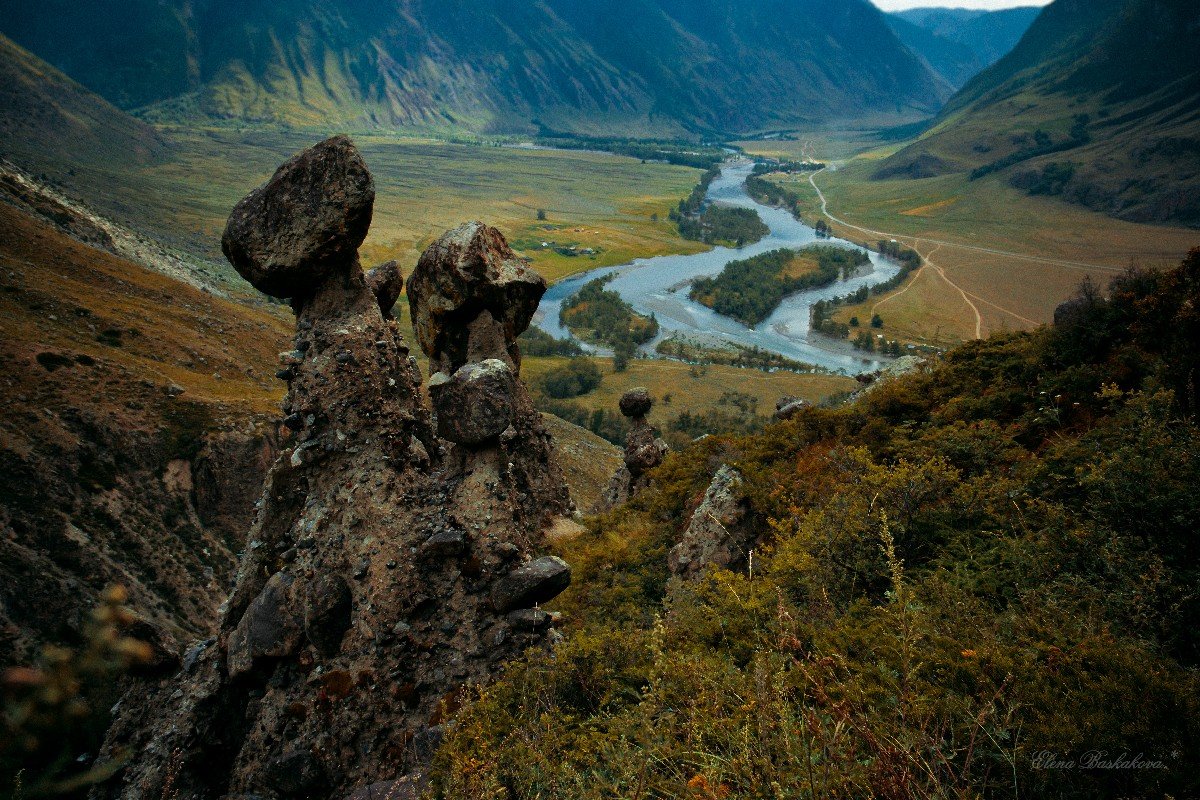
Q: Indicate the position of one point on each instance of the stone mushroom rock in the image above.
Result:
(367, 591)
(714, 535)
(475, 404)
(386, 282)
(467, 271)
(304, 224)
(643, 452)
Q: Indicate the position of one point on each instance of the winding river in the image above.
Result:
(659, 286)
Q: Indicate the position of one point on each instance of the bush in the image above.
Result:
(578, 377)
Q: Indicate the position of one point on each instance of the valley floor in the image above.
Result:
(996, 258)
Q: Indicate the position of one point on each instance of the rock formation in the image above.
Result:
(788, 407)
(715, 534)
(386, 571)
(643, 452)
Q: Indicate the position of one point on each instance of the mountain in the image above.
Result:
(1099, 103)
(958, 43)
(48, 120)
(629, 66)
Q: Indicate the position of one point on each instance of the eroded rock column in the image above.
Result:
(375, 587)
(643, 451)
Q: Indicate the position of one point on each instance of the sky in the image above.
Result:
(991, 5)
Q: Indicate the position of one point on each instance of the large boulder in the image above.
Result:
(467, 271)
(636, 403)
(306, 223)
(475, 404)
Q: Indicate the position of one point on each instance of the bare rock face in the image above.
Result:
(304, 224)
(386, 282)
(714, 536)
(643, 451)
(366, 599)
(470, 270)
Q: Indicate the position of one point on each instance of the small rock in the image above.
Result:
(445, 544)
(536, 582)
(386, 282)
(269, 627)
(529, 619)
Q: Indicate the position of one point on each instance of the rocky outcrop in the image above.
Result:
(387, 570)
(788, 407)
(470, 298)
(643, 452)
(715, 535)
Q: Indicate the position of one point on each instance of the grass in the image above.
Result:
(592, 200)
(943, 218)
(693, 389)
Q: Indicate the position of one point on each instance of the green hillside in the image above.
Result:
(1099, 104)
(958, 43)
(636, 67)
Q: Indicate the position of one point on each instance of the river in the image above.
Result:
(659, 286)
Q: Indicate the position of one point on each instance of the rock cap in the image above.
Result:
(636, 402)
(304, 224)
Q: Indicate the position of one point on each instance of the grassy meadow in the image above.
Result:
(592, 201)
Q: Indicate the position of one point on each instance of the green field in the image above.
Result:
(594, 201)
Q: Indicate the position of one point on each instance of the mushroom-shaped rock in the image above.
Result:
(476, 403)
(304, 224)
(538, 581)
(386, 282)
(636, 402)
(469, 270)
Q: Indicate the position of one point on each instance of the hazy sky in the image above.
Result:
(896, 5)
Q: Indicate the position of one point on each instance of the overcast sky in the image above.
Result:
(896, 5)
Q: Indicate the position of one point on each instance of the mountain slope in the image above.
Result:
(1099, 104)
(47, 119)
(958, 43)
(629, 67)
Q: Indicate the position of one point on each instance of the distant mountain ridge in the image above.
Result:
(958, 43)
(631, 67)
(1099, 104)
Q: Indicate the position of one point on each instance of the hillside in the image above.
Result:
(48, 120)
(972, 573)
(646, 66)
(959, 43)
(1098, 104)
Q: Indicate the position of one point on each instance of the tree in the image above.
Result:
(854, 322)
(876, 321)
(622, 352)
(541, 215)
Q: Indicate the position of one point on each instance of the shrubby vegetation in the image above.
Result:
(600, 315)
(724, 224)
(971, 566)
(536, 342)
(736, 355)
(681, 154)
(577, 377)
(1043, 144)
(750, 289)
(822, 310)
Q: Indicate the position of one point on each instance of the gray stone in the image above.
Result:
(304, 224)
(467, 271)
(529, 619)
(536, 582)
(714, 535)
(476, 403)
(270, 627)
(386, 282)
